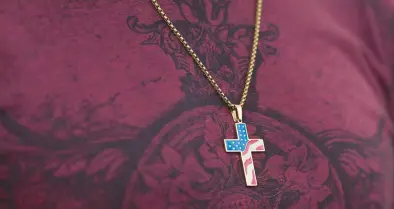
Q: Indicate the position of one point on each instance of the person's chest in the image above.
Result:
(103, 102)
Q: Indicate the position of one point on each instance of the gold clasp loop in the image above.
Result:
(237, 113)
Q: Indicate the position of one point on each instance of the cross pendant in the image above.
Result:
(245, 146)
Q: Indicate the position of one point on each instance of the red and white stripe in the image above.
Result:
(253, 145)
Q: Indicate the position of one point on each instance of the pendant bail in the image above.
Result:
(237, 113)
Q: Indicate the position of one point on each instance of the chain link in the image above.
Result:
(202, 66)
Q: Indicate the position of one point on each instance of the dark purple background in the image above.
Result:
(101, 107)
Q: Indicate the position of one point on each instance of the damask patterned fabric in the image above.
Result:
(102, 108)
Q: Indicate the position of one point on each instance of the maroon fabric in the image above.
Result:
(101, 107)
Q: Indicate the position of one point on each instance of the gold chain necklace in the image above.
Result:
(243, 144)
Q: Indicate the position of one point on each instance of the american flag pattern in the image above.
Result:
(245, 146)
